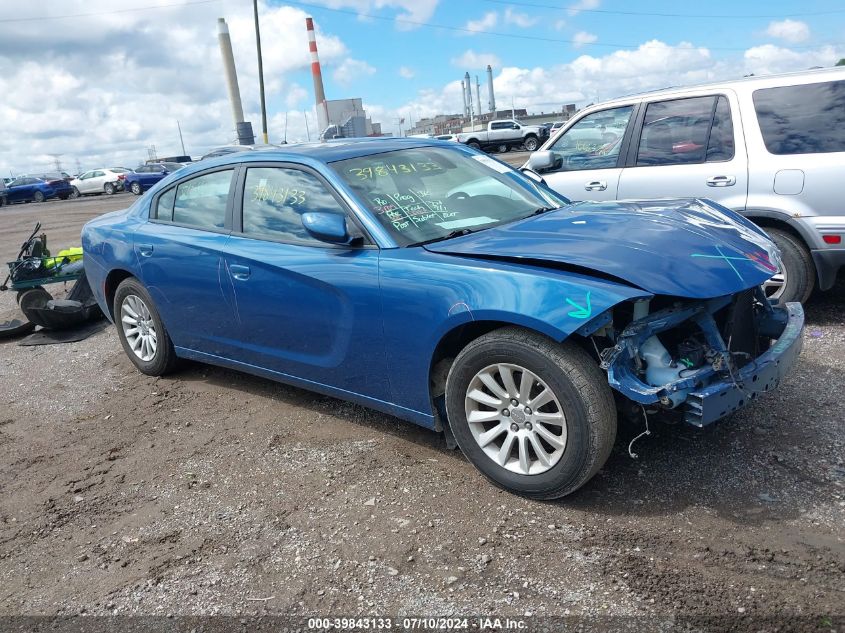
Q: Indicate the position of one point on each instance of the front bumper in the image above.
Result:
(722, 398)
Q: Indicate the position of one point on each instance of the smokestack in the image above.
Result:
(464, 97)
(244, 129)
(319, 93)
(478, 95)
(492, 103)
(469, 93)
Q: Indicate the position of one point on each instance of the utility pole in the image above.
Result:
(260, 73)
(56, 161)
(179, 127)
(307, 131)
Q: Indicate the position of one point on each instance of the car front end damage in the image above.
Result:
(700, 360)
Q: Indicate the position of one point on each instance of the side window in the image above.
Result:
(720, 147)
(805, 119)
(275, 198)
(675, 132)
(497, 126)
(201, 201)
(97, 174)
(164, 206)
(594, 141)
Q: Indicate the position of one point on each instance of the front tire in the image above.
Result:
(141, 330)
(474, 145)
(560, 430)
(531, 143)
(798, 278)
(109, 189)
(136, 188)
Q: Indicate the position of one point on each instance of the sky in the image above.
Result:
(98, 82)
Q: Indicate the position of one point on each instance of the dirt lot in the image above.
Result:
(213, 492)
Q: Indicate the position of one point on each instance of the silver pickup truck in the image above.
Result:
(503, 134)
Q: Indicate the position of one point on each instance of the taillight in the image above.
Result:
(121, 176)
(832, 239)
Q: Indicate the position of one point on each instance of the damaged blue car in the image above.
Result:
(437, 284)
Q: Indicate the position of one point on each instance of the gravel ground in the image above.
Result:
(213, 492)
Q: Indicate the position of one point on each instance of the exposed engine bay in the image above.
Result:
(700, 359)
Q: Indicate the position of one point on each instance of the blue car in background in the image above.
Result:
(434, 283)
(145, 176)
(33, 189)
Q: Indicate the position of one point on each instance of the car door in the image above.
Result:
(180, 254)
(17, 190)
(304, 308)
(589, 155)
(688, 147)
(95, 182)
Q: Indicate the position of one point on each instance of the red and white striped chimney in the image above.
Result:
(319, 93)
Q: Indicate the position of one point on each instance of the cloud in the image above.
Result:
(484, 23)
(406, 73)
(350, 70)
(581, 5)
(653, 65)
(582, 38)
(103, 88)
(793, 31)
(560, 24)
(522, 20)
(470, 60)
(411, 10)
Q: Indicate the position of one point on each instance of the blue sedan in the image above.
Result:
(437, 284)
(31, 189)
(145, 176)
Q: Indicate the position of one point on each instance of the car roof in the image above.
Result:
(752, 81)
(333, 150)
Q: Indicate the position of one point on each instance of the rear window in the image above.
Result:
(805, 119)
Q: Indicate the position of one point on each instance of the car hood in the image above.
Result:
(685, 248)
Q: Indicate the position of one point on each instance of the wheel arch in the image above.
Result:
(112, 281)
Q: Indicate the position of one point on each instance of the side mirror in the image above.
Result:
(541, 160)
(326, 227)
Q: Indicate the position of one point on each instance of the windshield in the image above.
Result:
(430, 193)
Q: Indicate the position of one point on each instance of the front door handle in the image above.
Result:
(145, 249)
(721, 181)
(596, 185)
(239, 272)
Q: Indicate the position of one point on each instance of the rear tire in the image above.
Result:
(38, 197)
(109, 189)
(501, 149)
(75, 193)
(580, 394)
(798, 267)
(136, 316)
(136, 188)
(474, 145)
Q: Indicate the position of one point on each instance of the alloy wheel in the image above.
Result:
(138, 327)
(516, 419)
(774, 287)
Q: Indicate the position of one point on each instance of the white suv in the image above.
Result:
(771, 148)
(107, 180)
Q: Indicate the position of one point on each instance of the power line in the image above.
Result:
(520, 36)
(41, 18)
(536, 5)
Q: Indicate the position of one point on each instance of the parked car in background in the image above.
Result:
(104, 180)
(502, 135)
(3, 193)
(437, 284)
(145, 176)
(771, 148)
(58, 180)
(447, 137)
(223, 150)
(30, 189)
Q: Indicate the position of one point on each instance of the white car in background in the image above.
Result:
(107, 180)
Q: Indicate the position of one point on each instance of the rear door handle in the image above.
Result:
(721, 181)
(596, 185)
(145, 249)
(239, 272)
